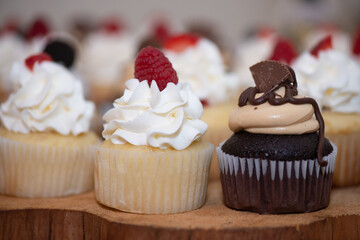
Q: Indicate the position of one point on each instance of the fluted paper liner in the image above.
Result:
(269, 186)
(27, 170)
(347, 170)
(154, 182)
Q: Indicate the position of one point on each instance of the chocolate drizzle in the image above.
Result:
(288, 80)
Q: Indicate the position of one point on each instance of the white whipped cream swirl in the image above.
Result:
(105, 56)
(203, 67)
(146, 116)
(332, 79)
(48, 98)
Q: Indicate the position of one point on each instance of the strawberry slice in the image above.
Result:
(152, 65)
(324, 44)
(284, 51)
(356, 47)
(30, 61)
(181, 42)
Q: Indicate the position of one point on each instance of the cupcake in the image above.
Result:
(11, 50)
(36, 36)
(341, 39)
(333, 79)
(198, 61)
(277, 160)
(44, 138)
(105, 58)
(153, 160)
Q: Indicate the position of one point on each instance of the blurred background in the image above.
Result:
(231, 19)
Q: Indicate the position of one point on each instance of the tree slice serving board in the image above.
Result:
(81, 217)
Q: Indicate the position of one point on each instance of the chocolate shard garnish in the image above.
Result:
(268, 74)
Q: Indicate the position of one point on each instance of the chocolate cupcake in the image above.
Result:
(277, 160)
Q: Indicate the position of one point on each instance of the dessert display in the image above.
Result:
(333, 78)
(153, 160)
(45, 140)
(277, 160)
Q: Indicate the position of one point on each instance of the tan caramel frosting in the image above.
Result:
(269, 119)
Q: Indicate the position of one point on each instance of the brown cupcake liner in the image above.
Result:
(347, 170)
(269, 186)
(27, 170)
(154, 182)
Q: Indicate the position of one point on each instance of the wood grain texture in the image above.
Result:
(81, 217)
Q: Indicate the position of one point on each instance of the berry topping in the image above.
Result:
(30, 61)
(204, 102)
(265, 32)
(284, 51)
(161, 31)
(356, 47)
(152, 65)
(179, 43)
(60, 52)
(39, 28)
(325, 43)
(112, 25)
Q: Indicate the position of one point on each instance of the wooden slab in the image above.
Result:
(81, 217)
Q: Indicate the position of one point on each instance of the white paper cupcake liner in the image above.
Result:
(347, 170)
(27, 170)
(152, 182)
(270, 186)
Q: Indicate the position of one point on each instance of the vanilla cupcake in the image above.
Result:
(198, 61)
(153, 160)
(44, 139)
(333, 79)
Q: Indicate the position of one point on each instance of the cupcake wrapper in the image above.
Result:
(42, 171)
(347, 170)
(268, 186)
(152, 183)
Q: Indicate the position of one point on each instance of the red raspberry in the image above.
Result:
(325, 43)
(151, 64)
(39, 28)
(356, 47)
(30, 61)
(112, 25)
(179, 43)
(161, 31)
(284, 51)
